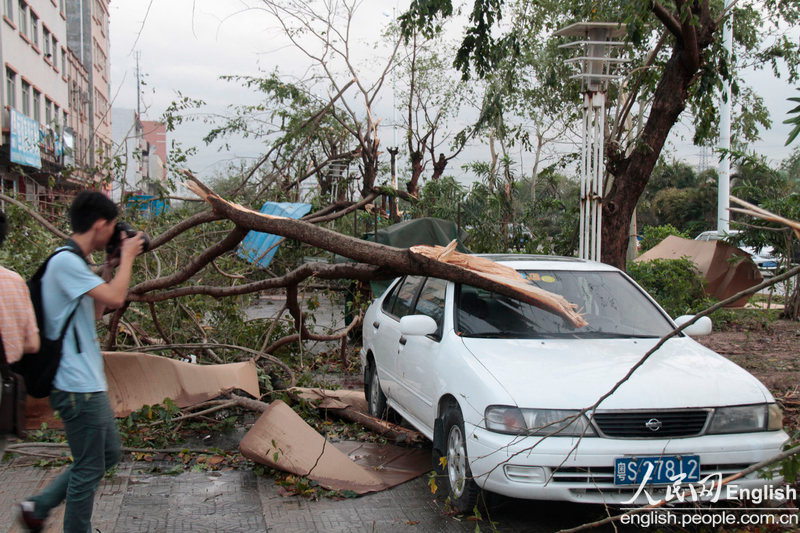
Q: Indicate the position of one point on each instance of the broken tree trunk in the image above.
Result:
(444, 264)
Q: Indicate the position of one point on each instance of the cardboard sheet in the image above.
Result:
(726, 269)
(138, 379)
(281, 439)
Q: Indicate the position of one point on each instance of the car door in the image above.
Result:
(387, 331)
(417, 355)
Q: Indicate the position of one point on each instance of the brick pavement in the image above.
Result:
(136, 501)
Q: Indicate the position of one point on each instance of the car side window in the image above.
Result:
(388, 301)
(431, 302)
(406, 294)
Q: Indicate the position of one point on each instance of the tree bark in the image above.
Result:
(632, 173)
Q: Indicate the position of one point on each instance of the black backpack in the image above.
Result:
(39, 369)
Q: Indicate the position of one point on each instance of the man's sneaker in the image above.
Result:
(26, 517)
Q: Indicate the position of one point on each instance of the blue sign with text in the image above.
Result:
(24, 140)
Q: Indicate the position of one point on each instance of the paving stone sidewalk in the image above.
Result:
(232, 501)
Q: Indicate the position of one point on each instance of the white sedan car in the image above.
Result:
(498, 386)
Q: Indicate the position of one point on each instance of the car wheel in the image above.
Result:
(375, 396)
(456, 474)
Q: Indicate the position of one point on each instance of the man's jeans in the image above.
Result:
(94, 442)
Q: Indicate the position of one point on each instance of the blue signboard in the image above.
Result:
(148, 206)
(259, 248)
(24, 140)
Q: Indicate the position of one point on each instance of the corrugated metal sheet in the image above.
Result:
(255, 247)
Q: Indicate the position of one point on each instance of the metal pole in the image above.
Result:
(582, 245)
(724, 185)
(599, 138)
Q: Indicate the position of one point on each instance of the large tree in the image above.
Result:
(678, 62)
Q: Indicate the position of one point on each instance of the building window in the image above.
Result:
(48, 111)
(46, 38)
(34, 30)
(55, 51)
(26, 98)
(11, 88)
(37, 106)
(23, 17)
(9, 4)
(63, 59)
(56, 118)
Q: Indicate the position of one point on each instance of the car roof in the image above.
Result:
(546, 262)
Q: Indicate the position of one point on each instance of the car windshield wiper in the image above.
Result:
(615, 335)
(495, 335)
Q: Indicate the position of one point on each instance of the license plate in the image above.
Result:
(663, 469)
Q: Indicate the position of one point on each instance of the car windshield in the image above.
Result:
(612, 305)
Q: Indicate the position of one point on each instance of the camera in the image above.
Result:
(113, 246)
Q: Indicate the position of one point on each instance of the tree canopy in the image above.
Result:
(677, 62)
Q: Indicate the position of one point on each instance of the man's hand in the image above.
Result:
(130, 247)
(112, 294)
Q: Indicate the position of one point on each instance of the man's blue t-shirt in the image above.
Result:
(66, 279)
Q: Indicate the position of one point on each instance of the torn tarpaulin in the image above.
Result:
(282, 440)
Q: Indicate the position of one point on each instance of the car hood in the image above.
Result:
(572, 374)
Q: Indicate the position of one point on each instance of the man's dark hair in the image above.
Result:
(3, 227)
(89, 207)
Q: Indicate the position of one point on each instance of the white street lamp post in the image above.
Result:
(595, 73)
(724, 185)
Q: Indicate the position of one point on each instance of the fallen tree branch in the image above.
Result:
(383, 428)
(402, 261)
(35, 214)
(195, 265)
(182, 226)
(358, 271)
(219, 407)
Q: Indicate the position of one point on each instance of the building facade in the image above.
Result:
(140, 148)
(87, 37)
(33, 38)
(55, 114)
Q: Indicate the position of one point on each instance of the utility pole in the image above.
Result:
(393, 213)
(724, 185)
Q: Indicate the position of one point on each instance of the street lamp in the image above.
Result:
(594, 44)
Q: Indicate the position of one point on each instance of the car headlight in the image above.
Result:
(540, 422)
(746, 419)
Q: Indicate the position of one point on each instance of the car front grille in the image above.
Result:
(603, 476)
(652, 424)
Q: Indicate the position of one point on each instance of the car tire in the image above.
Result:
(376, 399)
(461, 490)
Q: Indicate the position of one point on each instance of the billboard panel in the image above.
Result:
(24, 140)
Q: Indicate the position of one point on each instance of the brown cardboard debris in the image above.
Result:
(486, 268)
(138, 379)
(281, 439)
(333, 399)
(726, 269)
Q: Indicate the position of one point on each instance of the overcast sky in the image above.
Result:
(185, 45)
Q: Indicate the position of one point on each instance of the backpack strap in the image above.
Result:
(69, 246)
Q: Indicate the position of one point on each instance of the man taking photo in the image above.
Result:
(79, 389)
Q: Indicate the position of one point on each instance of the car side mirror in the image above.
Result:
(698, 329)
(417, 325)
